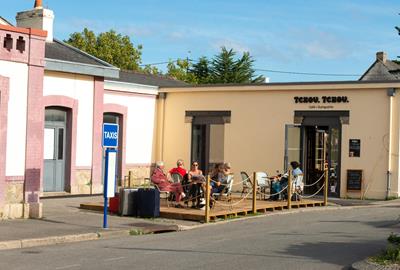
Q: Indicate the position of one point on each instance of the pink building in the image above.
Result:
(54, 100)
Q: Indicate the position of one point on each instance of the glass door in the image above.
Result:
(293, 149)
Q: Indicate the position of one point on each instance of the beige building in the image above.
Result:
(351, 127)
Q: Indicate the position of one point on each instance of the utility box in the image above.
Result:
(128, 202)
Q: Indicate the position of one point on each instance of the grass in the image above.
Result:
(391, 255)
(138, 232)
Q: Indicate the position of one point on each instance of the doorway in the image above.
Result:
(208, 137)
(115, 118)
(316, 143)
(55, 137)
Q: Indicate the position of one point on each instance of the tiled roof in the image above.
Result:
(59, 50)
(146, 79)
(379, 70)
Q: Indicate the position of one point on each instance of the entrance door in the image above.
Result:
(114, 118)
(322, 149)
(54, 150)
(208, 145)
(315, 147)
(316, 156)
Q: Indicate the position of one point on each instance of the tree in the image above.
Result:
(180, 70)
(223, 68)
(201, 70)
(110, 46)
(226, 69)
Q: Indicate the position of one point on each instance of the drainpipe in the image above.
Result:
(161, 120)
(391, 92)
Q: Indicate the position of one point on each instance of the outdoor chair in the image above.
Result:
(227, 191)
(168, 196)
(246, 182)
(262, 184)
(176, 178)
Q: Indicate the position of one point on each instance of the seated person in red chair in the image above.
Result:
(160, 179)
(179, 169)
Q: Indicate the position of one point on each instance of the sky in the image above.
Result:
(305, 36)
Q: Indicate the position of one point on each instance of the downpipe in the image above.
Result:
(388, 178)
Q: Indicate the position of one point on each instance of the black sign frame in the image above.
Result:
(354, 180)
(354, 147)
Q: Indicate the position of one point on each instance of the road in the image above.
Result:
(322, 239)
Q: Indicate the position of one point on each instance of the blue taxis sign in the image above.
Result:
(110, 135)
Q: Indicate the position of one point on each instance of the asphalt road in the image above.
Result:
(323, 239)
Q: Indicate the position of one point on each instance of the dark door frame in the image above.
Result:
(331, 119)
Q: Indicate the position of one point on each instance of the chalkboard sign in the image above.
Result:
(354, 147)
(354, 179)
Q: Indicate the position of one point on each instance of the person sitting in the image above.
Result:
(197, 184)
(275, 188)
(297, 178)
(160, 179)
(179, 169)
(218, 178)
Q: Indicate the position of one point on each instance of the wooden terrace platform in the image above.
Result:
(222, 209)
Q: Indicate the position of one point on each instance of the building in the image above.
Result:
(350, 127)
(54, 100)
(382, 69)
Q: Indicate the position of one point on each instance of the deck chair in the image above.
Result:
(262, 184)
(165, 195)
(176, 178)
(227, 192)
(246, 182)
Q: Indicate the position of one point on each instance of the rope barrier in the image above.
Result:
(310, 185)
(232, 204)
(310, 196)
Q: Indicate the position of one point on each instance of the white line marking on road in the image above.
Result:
(68, 266)
(114, 259)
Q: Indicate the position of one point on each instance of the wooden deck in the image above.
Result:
(221, 210)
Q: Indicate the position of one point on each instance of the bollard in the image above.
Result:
(254, 193)
(130, 178)
(326, 188)
(207, 213)
(289, 191)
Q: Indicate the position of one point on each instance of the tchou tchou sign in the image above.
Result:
(323, 99)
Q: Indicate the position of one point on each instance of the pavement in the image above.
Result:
(64, 222)
(311, 238)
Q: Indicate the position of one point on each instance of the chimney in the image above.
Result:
(381, 56)
(39, 18)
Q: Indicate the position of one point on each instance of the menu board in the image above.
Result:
(354, 179)
(354, 147)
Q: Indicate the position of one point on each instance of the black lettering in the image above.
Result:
(301, 99)
(333, 99)
(324, 99)
(296, 99)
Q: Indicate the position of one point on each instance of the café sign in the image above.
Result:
(323, 99)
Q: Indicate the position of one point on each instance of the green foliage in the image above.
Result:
(224, 67)
(180, 70)
(110, 46)
(391, 255)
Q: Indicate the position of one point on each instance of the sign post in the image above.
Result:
(110, 143)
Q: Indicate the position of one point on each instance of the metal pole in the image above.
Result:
(326, 188)
(289, 191)
(105, 207)
(207, 213)
(254, 193)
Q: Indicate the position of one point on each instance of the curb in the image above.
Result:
(365, 265)
(56, 240)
